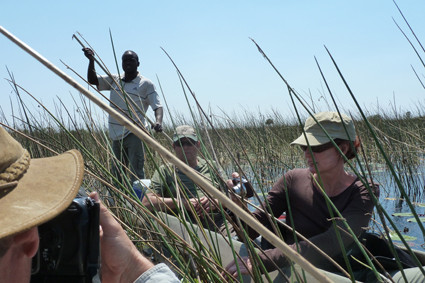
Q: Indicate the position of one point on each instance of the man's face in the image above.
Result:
(15, 263)
(186, 148)
(130, 62)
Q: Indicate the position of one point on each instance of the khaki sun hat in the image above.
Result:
(185, 131)
(333, 125)
(33, 191)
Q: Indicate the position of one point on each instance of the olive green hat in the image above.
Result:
(185, 131)
(333, 125)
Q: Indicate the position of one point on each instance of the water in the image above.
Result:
(414, 184)
(411, 229)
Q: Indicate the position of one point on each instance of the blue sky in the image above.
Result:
(210, 44)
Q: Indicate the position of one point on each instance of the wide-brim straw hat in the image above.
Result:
(33, 191)
(336, 126)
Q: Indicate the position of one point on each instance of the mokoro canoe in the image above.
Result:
(173, 223)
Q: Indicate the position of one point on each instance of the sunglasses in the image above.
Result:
(184, 142)
(318, 148)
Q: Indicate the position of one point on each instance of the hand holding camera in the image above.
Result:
(241, 186)
(69, 246)
(120, 258)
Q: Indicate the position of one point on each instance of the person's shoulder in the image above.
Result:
(166, 167)
(162, 171)
(209, 166)
(143, 79)
(369, 182)
(113, 76)
(109, 78)
(298, 172)
(364, 187)
(291, 176)
(202, 163)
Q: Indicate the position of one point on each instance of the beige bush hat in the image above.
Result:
(185, 131)
(33, 191)
(332, 123)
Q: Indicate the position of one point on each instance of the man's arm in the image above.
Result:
(159, 112)
(121, 261)
(156, 202)
(91, 71)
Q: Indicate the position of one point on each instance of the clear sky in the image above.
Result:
(209, 41)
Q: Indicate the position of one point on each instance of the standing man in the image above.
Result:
(132, 98)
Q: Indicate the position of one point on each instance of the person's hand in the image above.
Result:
(232, 269)
(88, 53)
(121, 261)
(157, 127)
(243, 189)
(201, 204)
(229, 182)
(230, 185)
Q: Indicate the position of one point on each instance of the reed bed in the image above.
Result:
(254, 145)
(260, 148)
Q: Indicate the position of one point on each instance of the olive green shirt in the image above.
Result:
(163, 182)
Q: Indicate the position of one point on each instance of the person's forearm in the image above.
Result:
(132, 269)
(156, 202)
(91, 74)
(139, 266)
(159, 112)
(273, 257)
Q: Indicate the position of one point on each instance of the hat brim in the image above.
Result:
(313, 140)
(177, 137)
(46, 189)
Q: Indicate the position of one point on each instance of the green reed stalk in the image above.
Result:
(389, 164)
(293, 93)
(375, 200)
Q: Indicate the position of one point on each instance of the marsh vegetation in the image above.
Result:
(254, 144)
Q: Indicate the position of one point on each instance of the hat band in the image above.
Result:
(8, 179)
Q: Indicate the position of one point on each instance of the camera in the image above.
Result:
(243, 188)
(69, 245)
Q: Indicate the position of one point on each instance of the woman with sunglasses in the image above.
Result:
(300, 194)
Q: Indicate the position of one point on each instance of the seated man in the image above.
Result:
(166, 181)
(33, 191)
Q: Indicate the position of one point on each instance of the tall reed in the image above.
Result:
(253, 145)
